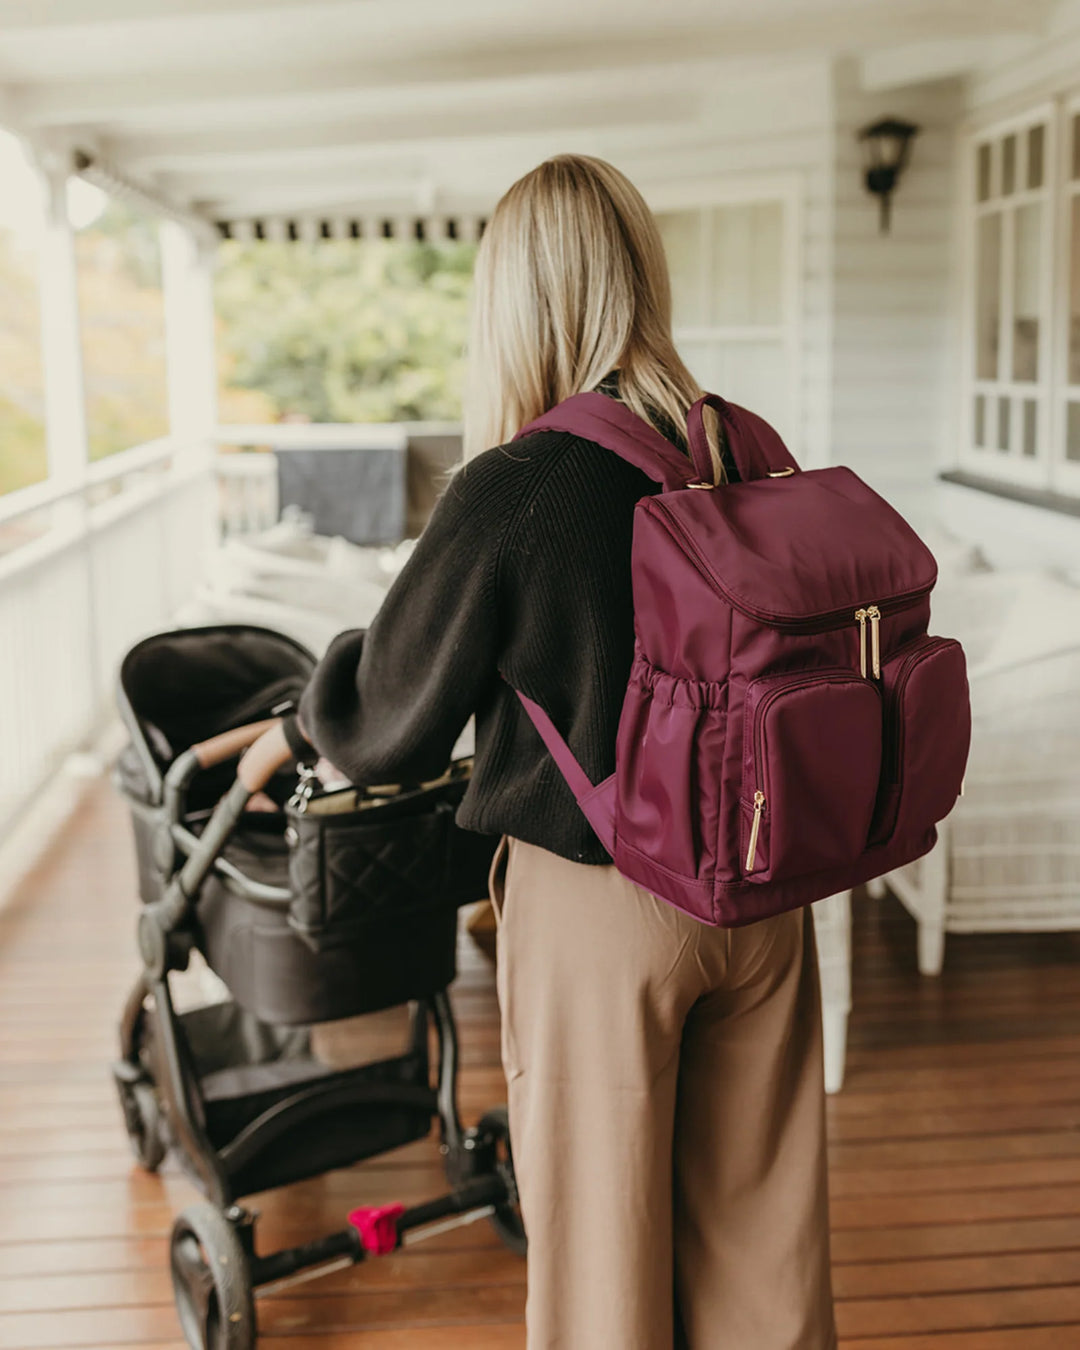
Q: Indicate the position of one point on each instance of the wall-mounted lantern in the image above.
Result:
(886, 148)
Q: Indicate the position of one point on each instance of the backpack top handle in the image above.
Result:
(755, 447)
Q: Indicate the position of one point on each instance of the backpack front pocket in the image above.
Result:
(811, 767)
(927, 735)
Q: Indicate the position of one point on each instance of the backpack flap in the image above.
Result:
(800, 552)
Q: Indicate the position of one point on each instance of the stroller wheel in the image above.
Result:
(493, 1144)
(211, 1281)
(142, 1119)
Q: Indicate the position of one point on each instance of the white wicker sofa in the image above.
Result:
(1008, 857)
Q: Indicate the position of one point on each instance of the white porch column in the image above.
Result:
(70, 630)
(65, 404)
(187, 265)
(187, 282)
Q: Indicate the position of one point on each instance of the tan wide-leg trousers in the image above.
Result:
(666, 1115)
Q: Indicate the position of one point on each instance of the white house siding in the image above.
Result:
(1038, 67)
(771, 123)
(892, 337)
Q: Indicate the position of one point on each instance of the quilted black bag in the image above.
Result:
(372, 861)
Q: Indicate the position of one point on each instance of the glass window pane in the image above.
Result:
(22, 396)
(681, 233)
(1031, 423)
(982, 173)
(1008, 164)
(980, 420)
(1026, 287)
(1072, 439)
(988, 296)
(1036, 141)
(1003, 424)
(747, 264)
(122, 321)
(1074, 292)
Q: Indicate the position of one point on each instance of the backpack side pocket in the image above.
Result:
(669, 752)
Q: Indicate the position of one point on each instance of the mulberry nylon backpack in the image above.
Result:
(789, 728)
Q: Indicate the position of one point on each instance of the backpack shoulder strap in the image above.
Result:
(595, 417)
(754, 445)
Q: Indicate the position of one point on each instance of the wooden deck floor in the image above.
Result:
(955, 1150)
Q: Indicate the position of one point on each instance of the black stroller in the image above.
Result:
(333, 905)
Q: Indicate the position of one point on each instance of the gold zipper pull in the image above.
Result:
(874, 615)
(751, 852)
(860, 619)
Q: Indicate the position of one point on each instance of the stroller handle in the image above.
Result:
(228, 744)
(268, 753)
(266, 746)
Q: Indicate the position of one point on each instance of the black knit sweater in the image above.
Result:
(521, 580)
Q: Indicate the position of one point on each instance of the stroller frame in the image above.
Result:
(215, 1266)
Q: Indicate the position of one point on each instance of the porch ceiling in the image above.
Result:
(256, 108)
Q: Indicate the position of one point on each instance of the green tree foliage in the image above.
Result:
(122, 327)
(343, 330)
(336, 331)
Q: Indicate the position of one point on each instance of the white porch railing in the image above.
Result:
(110, 561)
(248, 484)
(247, 493)
(90, 568)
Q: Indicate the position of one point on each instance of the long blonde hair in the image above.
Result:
(571, 283)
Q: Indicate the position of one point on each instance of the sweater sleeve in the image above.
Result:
(388, 703)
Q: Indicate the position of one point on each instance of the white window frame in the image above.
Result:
(1010, 466)
(1065, 474)
(1049, 469)
(787, 189)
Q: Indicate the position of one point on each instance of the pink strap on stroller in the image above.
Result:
(377, 1226)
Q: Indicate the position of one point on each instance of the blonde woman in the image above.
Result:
(665, 1079)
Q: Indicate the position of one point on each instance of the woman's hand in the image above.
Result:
(328, 774)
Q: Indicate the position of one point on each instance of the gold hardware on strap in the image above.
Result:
(782, 473)
(751, 852)
(707, 486)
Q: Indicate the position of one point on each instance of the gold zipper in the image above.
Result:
(751, 852)
(860, 619)
(874, 615)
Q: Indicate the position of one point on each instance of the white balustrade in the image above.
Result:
(117, 561)
(248, 494)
